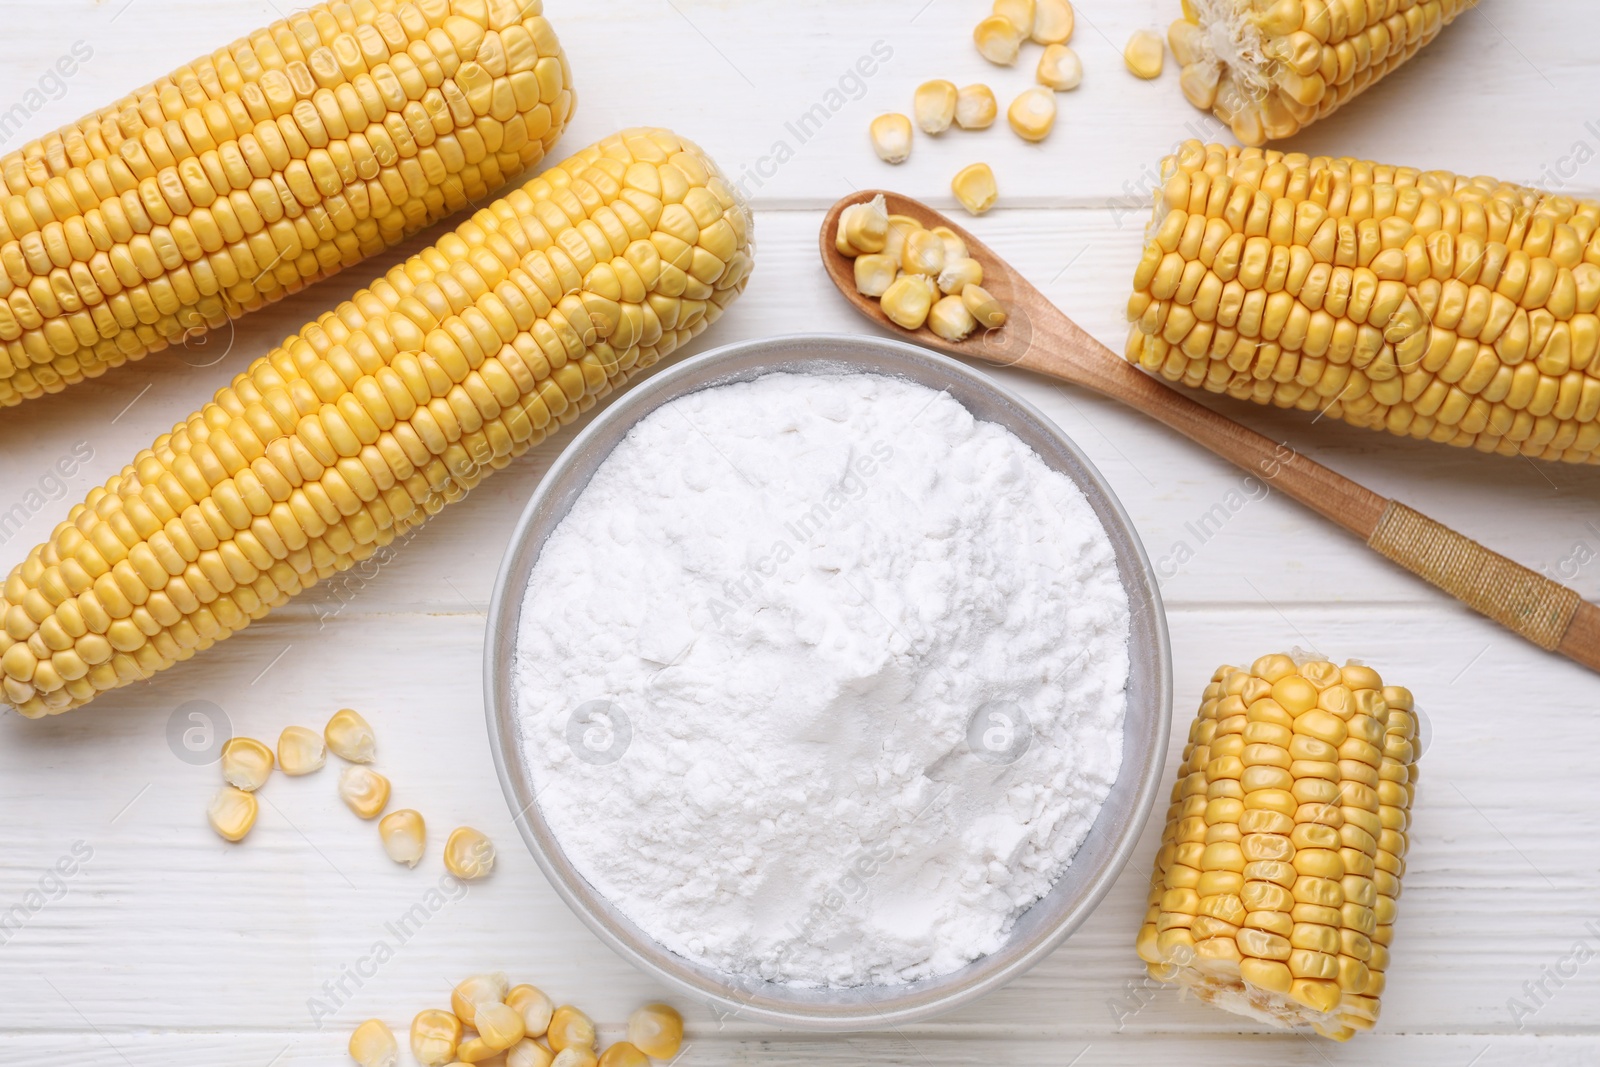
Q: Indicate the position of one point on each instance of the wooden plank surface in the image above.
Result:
(166, 946)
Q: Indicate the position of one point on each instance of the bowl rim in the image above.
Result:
(741, 997)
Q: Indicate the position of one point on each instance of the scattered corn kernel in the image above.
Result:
(908, 300)
(1019, 13)
(404, 835)
(874, 274)
(923, 254)
(301, 751)
(570, 1028)
(1145, 54)
(1060, 68)
(954, 247)
(528, 1053)
(575, 1057)
(350, 737)
(1053, 22)
(960, 273)
(976, 107)
(468, 854)
(1033, 114)
(499, 1025)
(434, 1037)
(232, 813)
(891, 137)
(535, 1007)
(935, 105)
(373, 1045)
(623, 1054)
(478, 989)
(998, 40)
(950, 319)
(656, 1030)
(364, 791)
(984, 307)
(974, 188)
(246, 763)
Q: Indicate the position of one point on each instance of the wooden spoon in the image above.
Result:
(1040, 338)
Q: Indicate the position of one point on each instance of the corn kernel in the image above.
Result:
(232, 813)
(528, 1053)
(301, 751)
(468, 854)
(434, 1037)
(623, 1054)
(998, 40)
(908, 301)
(874, 274)
(575, 1057)
(1017, 12)
(1145, 54)
(364, 791)
(1060, 68)
(656, 1030)
(891, 137)
(1053, 22)
(478, 989)
(535, 1007)
(570, 1028)
(350, 737)
(950, 319)
(499, 1025)
(1032, 114)
(863, 228)
(373, 1045)
(246, 763)
(976, 107)
(935, 105)
(984, 307)
(960, 273)
(404, 835)
(974, 188)
(954, 247)
(476, 1050)
(923, 254)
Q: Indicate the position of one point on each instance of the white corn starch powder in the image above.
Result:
(822, 680)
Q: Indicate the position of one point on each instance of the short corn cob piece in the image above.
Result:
(1459, 310)
(1275, 886)
(1270, 68)
(375, 416)
(254, 171)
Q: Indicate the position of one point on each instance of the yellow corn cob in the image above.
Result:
(373, 417)
(1460, 310)
(256, 170)
(1269, 68)
(1275, 886)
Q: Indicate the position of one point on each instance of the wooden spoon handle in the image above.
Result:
(1545, 612)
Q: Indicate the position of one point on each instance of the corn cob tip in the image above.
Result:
(1269, 68)
(377, 414)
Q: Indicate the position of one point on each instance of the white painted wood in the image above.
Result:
(167, 946)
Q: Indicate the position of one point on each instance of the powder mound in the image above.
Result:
(822, 680)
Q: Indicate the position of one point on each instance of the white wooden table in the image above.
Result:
(166, 946)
